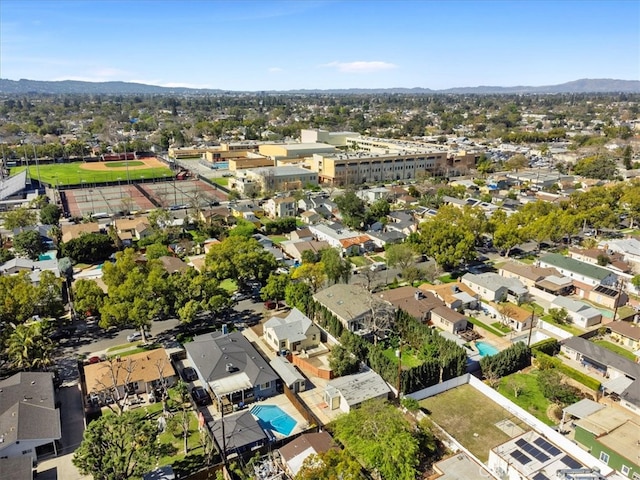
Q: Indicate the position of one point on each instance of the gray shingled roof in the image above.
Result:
(293, 327)
(345, 301)
(603, 356)
(240, 430)
(287, 371)
(27, 408)
(212, 352)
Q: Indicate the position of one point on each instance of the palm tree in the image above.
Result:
(28, 348)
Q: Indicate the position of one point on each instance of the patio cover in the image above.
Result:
(617, 385)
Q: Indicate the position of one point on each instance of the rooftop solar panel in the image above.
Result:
(533, 451)
(548, 447)
(520, 457)
(540, 476)
(570, 462)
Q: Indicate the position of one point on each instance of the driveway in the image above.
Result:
(72, 421)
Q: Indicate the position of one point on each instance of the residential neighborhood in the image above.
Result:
(325, 303)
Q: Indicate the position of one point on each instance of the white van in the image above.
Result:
(378, 266)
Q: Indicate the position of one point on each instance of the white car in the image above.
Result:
(134, 337)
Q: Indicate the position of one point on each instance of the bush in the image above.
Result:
(546, 362)
(550, 346)
(514, 358)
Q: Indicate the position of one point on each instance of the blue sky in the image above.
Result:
(280, 45)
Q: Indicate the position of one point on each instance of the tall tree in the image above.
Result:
(20, 217)
(330, 465)
(276, 287)
(89, 297)
(241, 258)
(50, 214)
(335, 267)
(29, 243)
(28, 347)
(379, 436)
(352, 209)
(400, 255)
(118, 447)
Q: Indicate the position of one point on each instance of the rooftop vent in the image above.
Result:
(230, 367)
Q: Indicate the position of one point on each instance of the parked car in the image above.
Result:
(189, 374)
(134, 337)
(200, 396)
(271, 305)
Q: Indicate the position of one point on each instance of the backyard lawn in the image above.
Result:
(488, 328)
(470, 418)
(530, 398)
(623, 352)
(223, 181)
(500, 326)
(278, 238)
(568, 328)
(359, 261)
(409, 360)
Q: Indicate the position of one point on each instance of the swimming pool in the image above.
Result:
(274, 418)
(486, 349)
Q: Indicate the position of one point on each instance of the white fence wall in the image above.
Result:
(440, 387)
(536, 292)
(553, 329)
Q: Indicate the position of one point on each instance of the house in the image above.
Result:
(623, 375)
(295, 248)
(300, 234)
(626, 333)
(448, 320)
(231, 368)
(237, 433)
(456, 296)
(17, 468)
(295, 332)
(612, 436)
(294, 453)
(281, 207)
(29, 417)
(310, 217)
(173, 264)
(494, 287)
(351, 305)
(350, 391)
(413, 301)
(514, 317)
(614, 260)
(129, 229)
(33, 268)
(629, 248)
(382, 239)
(216, 214)
(535, 277)
(73, 231)
(135, 374)
(356, 245)
(290, 375)
(531, 456)
(607, 297)
(580, 313)
(586, 273)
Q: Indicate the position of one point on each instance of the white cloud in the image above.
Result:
(360, 67)
(274, 69)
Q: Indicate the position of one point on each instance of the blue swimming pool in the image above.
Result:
(486, 349)
(274, 418)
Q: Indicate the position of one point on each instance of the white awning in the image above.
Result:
(617, 385)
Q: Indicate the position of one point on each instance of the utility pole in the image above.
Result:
(620, 285)
(399, 355)
(533, 319)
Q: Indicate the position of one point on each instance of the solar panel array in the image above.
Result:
(570, 462)
(533, 451)
(547, 447)
(520, 457)
(540, 476)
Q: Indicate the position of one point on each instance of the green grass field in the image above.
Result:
(222, 181)
(408, 359)
(130, 163)
(530, 398)
(71, 174)
(470, 417)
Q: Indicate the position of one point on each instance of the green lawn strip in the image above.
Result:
(623, 352)
(447, 278)
(409, 360)
(223, 181)
(530, 398)
(567, 328)
(377, 258)
(130, 163)
(359, 261)
(470, 417)
(71, 174)
(278, 238)
(625, 311)
(499, 326)
(229, 284)
(124, 346)
(132, 351)
(488, 328)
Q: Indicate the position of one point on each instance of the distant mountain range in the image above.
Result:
(585, 85)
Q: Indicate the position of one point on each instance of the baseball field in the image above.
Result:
(60, 174)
